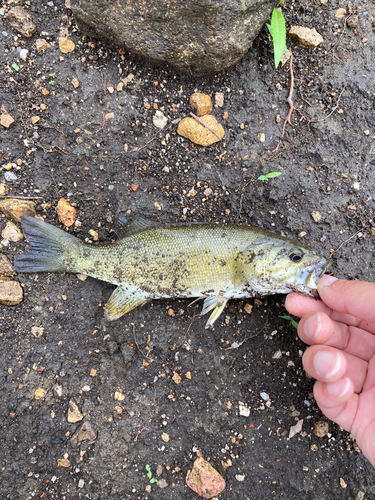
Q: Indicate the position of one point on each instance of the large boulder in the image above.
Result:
(194, 36)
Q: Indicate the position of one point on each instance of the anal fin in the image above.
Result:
(217, 304)
(121, 302)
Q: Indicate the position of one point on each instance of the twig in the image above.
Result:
(204, 125)
(333, 110)
(351, 237)
(290, 102)
(22, 197)
(140, 432)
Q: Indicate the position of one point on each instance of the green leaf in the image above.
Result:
(278, 33)
(291, 320)
(262, 178)
(52, 74)
(15, 66)
(273, 174)
(153, 480)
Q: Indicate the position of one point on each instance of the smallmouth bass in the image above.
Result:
(214, 262)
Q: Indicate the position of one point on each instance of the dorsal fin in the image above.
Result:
(131, 225)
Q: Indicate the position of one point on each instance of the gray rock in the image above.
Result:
(195, 36)
(21, 21)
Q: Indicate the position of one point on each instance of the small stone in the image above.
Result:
(11, 293)
(45, 91)
(11, 232)
(41, 44)
(75, 83)
(302, 234)
(148, 488)
(128, 79)
(188, 375)
(219, 99)
(5, 266)
(85, 432)
(6, 120)
(3, 189)
(321, 428)
(120, 87)
(23, 54)
(35, 119)
(109, 116)
(82, 277)
(248, 308)
(285, 56)
(171, 312)
(81, 483)
(159, 119)
(307, 37)
(162, 483)
(66, 213)
(343, 483)
(39, 393)
(66, 45)
(37, 331)
(134, 187)
(119, 396)
(204, 479)
(373, 231)
(74, 414)
(201, 103)
(94, 234)
(197, 133)
(176, 378)
(314, 447)
(165, 437)
(352, 208)
(352, 21)
(264, 396)
(278, 118)
(21, 21)
(240, 477)
(207, 192)
(63, 462)
(110, 88)
(261, 137)
(244, 411)
(340, 13)
(316, 216)
(295, 429)
(225, 115)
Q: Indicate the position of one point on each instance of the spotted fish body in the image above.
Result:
(215, 262)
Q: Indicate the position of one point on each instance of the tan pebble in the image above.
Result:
(219, 99)
(261, 137)
(176, 378)
(226, 464)
(352, 21)
(11, 293)
(45, 91)
(302, 234)
(66, 213)
(134, 187)
(75, 83)
(197, 133)
(94, 234)
(8, 166)
(35, 119)
(343, 483)
(321, 428)
(82, 277)
(3, 189)
(37, 331)
(39, 393)
(285, 56)
(11, 232)
(63, 462)
(5, 266)
(21, 21)
(6, 120)
(15, 208)
(148, 488)
(171, 312)
(192, 192)
(242, 126)
(201, 103)
(188, 375)
(340, 13)
(373, 231)
(74, 414)
(307, 37)
(41, 44)
(351, 207)
(43, 107)
(109, 116)
(248, 308)
(119, 396)
(278, 118)
(93, 372)
(165, 437)
(316, 216)
(207, 192)
(204, 479)
(225, 115)
(66, 45)
(19, 162)
(120, 87)
(313, 447)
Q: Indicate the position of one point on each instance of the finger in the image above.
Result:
(329, 365)
(299, 305)
(337, 401)
(355, 298)
(318, 328)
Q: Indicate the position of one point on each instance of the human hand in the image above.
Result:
(340, 327)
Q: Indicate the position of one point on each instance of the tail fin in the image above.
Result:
(48, 247)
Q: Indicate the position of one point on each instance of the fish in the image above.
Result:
(214, 262)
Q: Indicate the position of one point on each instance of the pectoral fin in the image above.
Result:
(217, 304)
(126, 226)
(121, 302)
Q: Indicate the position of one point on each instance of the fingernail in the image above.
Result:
(312, 326)
(326, 280)
(340, 388)
(327, 363)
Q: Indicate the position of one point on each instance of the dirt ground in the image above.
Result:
(122, 375)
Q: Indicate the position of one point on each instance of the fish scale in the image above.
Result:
(215, 262)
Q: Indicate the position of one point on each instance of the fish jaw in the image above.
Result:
(308, 280)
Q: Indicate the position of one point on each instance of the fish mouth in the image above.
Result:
(315, 274)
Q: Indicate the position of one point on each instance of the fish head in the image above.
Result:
(282, 265)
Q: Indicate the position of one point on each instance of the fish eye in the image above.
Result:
(295, 255)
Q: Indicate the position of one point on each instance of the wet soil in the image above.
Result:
(76, 152)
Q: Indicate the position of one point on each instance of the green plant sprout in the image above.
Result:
(15, 66)
(278, 33)
(271, 175)
(52, 82)
(291, 320)
(149, 475)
